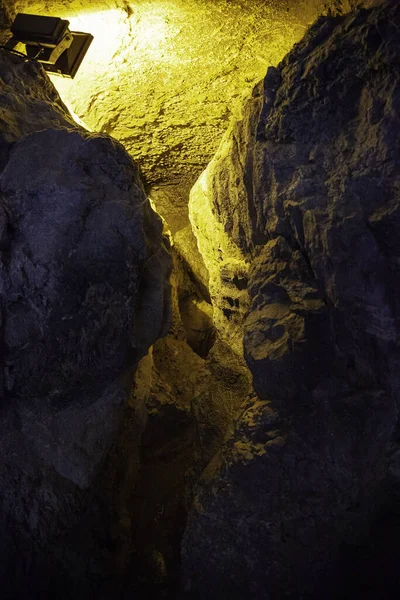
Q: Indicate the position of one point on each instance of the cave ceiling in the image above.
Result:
(163, 76)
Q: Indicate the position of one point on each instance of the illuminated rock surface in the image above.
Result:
(164, 77)
(84, 293)
(305, 187)
(278, 237)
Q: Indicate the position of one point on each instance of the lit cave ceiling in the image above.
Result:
(163, 77)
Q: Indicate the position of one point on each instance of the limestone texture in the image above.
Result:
(84, 293)
(303, 196)
(163, 77)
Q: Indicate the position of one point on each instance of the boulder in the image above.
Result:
(84, 294)
(304, 191)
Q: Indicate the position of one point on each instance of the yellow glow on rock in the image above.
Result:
(162, 76)
(116, 32)
(76, 118)
(152, 37)
(223, 259)
(125, 46)
(108, 28)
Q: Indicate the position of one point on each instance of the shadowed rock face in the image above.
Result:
(305, 189)
(84, 293)
(83, 266)
(75, 255)
(329, 141)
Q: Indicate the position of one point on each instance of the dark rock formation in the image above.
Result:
(305, 189)
(84, 294)
(192, 392)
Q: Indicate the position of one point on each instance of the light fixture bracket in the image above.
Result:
(49, 41)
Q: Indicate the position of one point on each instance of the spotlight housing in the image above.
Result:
(49, 41)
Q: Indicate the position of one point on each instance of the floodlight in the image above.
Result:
(49, 41)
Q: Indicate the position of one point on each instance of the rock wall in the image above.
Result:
(305, 190)
(84, 294)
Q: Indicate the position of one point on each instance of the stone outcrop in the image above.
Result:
(304, 191)
(84, 294)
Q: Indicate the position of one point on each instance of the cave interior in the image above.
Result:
(199, 314)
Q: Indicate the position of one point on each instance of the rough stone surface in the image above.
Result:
(84, 293)
(305, 189)
(163, 77)
(68, 224)
(284, 494)
(218, 212)
(194, 385)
